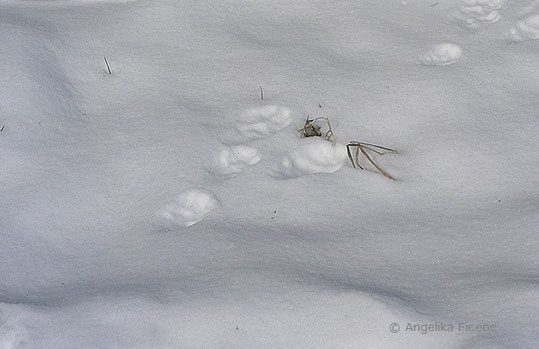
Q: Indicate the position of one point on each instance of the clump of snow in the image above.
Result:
(231, 161)
(189, 207)
(262, 122)
(525, 29)
(442, 54)
(475, 14)
(315, 156)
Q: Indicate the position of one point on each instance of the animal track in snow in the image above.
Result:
(525, 29)
(475, 14)
(442, 54)
(189, 207)
(315, 156)
(231, 161)
(262, 122)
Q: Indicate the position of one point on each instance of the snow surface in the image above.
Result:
(250, 257)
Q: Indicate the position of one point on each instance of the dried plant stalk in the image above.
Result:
(363, 147)
(313, 128)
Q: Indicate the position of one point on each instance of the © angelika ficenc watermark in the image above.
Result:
(439, 326)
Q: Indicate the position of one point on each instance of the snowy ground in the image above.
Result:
(167, 206)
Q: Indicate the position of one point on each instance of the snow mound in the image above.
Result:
(316, 156)
(262, 122)
(525, 29)
(475, 14)
(231, 161)
(189, 207)
(442, 54)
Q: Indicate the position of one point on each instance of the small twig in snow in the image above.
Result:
(108, 66)
(261, 93)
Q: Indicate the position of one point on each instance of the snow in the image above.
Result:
(315, 156)
(261, 122)
(475, 14)
(442, 54)
(167, 205)
(189, 207)
(231, 161)
(525, 29)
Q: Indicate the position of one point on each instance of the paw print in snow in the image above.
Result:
(231, 161)
(442, 54)
(189, 207)
(315, 156)
(262, 122)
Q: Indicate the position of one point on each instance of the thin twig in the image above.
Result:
(379, 147)
(3, 127)
(348, 146)
(357, 157)
(373, 150)
(381, 170)
(261, 93)
(108, 66)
